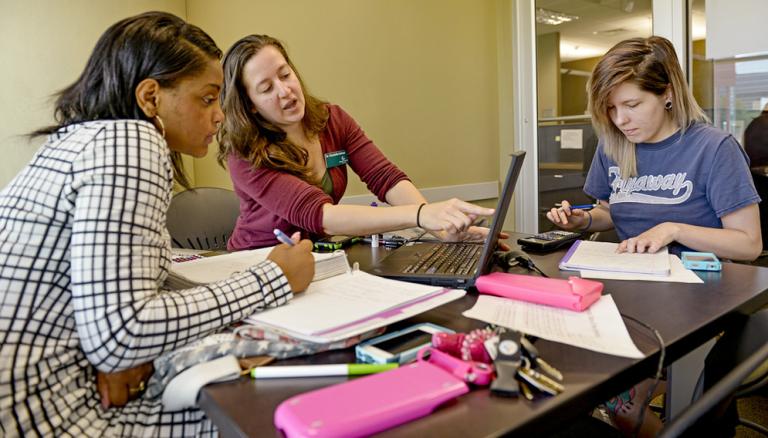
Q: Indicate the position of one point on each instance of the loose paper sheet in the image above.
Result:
(678, 274)
(599, 328)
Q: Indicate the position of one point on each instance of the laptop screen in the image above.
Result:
(515, 166)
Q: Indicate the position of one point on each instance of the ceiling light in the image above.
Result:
(546, 16)
(610, 32)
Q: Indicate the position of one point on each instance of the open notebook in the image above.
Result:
(339, 303)
(197, 271)
(603, 256)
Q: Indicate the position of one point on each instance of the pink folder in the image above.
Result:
(575, 293)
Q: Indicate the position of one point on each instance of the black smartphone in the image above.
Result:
(332, 243)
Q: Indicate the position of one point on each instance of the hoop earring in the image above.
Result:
(162, 125)
(668, 105)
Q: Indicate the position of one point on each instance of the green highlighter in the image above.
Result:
(351, 369)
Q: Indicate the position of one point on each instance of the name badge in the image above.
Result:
(336, 159)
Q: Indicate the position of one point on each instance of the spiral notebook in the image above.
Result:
(603, 256)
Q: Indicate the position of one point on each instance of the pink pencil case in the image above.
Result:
(575, 293)
(370, 404)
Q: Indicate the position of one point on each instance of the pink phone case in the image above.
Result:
(370, 404)
(574, 294)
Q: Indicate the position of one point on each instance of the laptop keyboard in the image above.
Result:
(457, 259)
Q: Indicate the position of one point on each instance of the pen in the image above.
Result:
(352, 369)
(282, 237)
(374, 237)
(578, 207)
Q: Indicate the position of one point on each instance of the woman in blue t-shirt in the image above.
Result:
(661, 174)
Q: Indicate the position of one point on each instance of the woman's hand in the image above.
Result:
(567, 219)
(652, 240)
(296, 261)
(118, 388)
(453, 216)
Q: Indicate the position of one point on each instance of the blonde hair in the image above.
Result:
(651, 64)
(250, 136)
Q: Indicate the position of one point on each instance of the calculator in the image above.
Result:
(548, 241)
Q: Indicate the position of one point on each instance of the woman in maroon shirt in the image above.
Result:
(287, 153)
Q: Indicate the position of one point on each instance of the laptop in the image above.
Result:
(450, 264)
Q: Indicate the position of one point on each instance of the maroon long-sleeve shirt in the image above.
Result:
(272, 199)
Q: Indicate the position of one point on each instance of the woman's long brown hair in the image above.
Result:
(246, 133)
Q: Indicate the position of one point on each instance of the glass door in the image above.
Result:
(571, 36)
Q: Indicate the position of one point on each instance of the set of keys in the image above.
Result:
(520, 369)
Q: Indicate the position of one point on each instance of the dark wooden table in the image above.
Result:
(686, 315)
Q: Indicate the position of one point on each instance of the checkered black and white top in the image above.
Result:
(83, 253)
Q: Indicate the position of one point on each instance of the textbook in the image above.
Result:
(602, 256)
(341, 302)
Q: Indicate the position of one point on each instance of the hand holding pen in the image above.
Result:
(295, 259)
(283, 238)
(571, 217)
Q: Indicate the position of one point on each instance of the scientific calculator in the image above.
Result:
(548, 241)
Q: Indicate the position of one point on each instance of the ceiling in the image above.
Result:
(603, 23)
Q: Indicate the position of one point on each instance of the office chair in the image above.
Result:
(203, 218)
(748, 348)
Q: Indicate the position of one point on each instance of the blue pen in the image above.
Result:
(282, 237)
(578, 207)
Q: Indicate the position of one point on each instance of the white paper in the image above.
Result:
(677, 274)
(599, 328)
(386, 318)
(571, 138)
(603, 256)
(340, 301)
(216, 268)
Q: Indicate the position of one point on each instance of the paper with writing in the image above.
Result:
(212, 269)
(678, 274)
(341, 301)
(338, 304)
(599, 328)
(603, 256)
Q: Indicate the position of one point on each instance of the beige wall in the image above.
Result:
(574, 87)
(548, 74)
(45, 45)
(420, 77)
(702, 76)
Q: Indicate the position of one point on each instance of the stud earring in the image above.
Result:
(668, 105)
(162, 125)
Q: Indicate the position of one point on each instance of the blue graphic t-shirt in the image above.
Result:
(696, 180)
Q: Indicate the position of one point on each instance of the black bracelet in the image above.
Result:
(418, 215)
